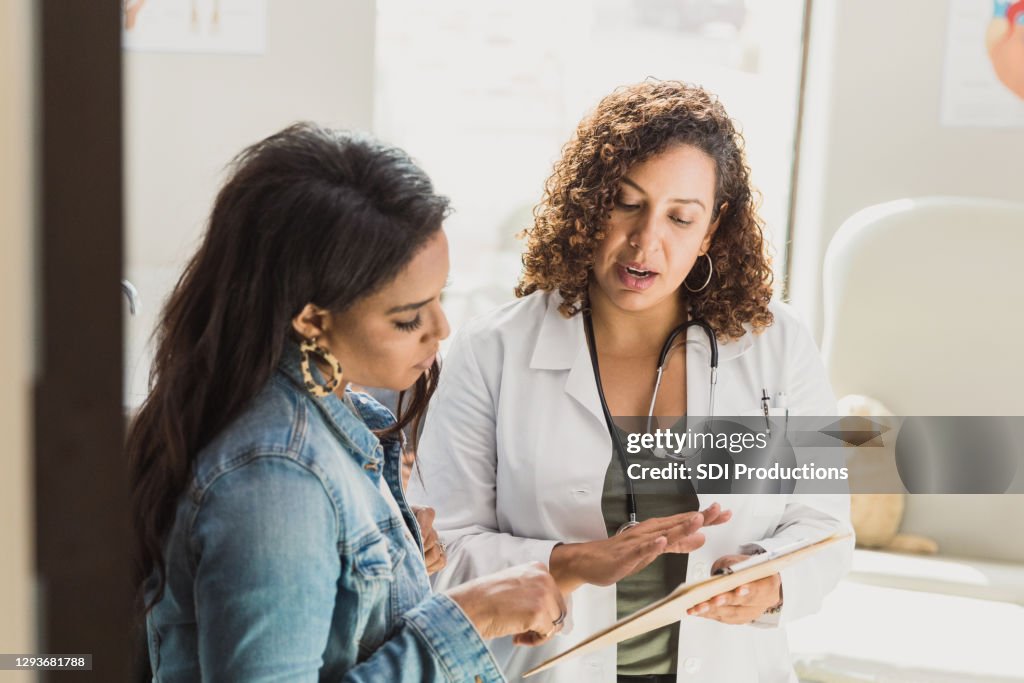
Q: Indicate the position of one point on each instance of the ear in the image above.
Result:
(705, 245)
(311, 322)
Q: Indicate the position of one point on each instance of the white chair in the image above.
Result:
(924, 306)
(924, 311)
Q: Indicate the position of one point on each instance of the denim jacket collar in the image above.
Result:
(354, 430)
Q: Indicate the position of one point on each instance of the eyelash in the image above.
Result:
(632, 207)
(411, 325)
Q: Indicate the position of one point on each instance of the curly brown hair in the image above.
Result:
(629, 126)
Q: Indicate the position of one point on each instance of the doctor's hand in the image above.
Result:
(606, 562)
(743, 604)
(521, 601)
(433, 552)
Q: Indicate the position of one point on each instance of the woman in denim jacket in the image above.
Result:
(274, 536)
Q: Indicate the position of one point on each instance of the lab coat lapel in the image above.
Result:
(561, 345)
(581, 384)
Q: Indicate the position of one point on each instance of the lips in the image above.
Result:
(426, 362)
(635, 276)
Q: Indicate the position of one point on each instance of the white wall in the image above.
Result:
(872, 131)
(17, 619)
(187, 115)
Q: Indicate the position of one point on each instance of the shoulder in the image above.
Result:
(784, 346)
(274, 422)
(514, 319)
(282, 432)
(787, 319)
(790, 358)
(787, 331)
(508, 329)
(489, 344)
(262, 455)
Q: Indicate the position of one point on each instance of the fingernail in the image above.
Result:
(744, 591)
(703, 609)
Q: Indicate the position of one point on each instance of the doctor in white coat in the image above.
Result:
(647, 221)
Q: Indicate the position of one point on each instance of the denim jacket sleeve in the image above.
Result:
(265, 542)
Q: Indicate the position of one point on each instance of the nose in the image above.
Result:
(440, 329)
(644, 233)
(443, 329)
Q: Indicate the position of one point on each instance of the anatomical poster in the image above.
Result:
(983, 71)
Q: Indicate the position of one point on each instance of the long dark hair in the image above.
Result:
(308, 215)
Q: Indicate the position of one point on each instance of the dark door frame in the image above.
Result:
(82, 540)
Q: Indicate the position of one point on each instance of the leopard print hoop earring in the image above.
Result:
(309, 347)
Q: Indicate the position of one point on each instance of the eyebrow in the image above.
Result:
(675, 199)
(409, 307)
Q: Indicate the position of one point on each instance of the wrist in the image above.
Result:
(562, 565)
(475, 609)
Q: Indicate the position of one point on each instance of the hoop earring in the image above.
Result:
(309, 347)
(711, 269)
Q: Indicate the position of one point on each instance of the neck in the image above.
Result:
(634, 333)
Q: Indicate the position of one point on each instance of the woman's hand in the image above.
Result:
(743, 604)
(433, 553)
(608, 561)
(522, 601)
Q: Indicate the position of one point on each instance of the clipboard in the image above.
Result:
(673, 606)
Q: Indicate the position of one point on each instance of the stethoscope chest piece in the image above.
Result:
(627, 526)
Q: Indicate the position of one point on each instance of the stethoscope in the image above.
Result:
(666, 348)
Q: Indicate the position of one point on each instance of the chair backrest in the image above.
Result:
(924, 306)
(924, 311)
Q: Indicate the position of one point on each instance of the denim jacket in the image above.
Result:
(286, 563)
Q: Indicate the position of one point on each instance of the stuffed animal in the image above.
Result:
(876, 517)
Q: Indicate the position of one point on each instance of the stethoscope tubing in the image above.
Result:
(666, 348)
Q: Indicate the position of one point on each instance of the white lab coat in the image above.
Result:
(514, 456)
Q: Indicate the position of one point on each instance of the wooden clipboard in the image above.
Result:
(672, 607)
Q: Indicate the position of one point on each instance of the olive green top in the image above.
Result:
(654, 652)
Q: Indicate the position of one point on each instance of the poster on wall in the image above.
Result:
(198, 26)
(983, 72)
